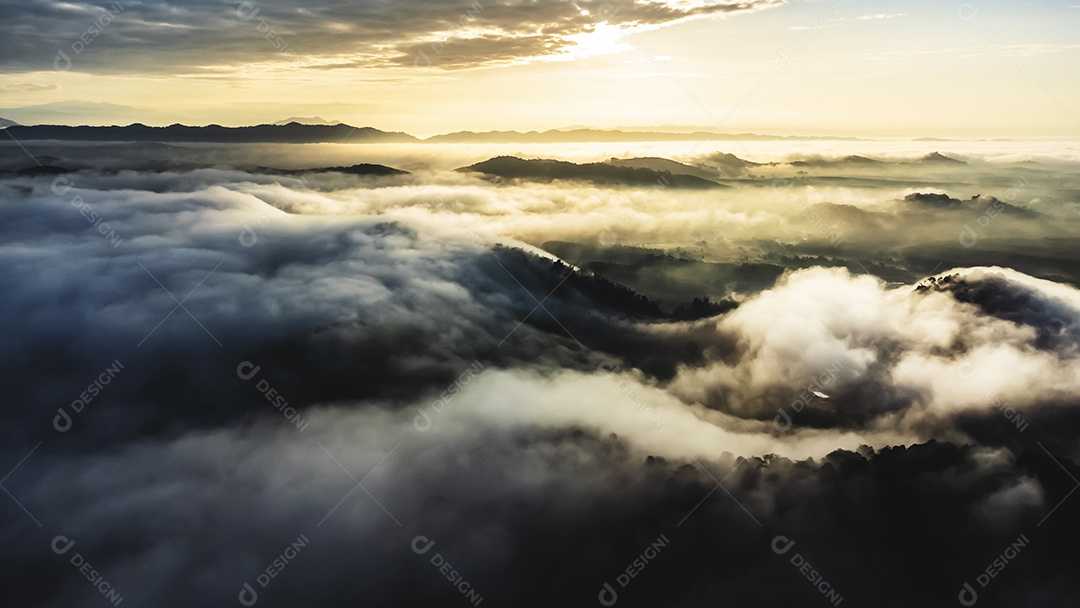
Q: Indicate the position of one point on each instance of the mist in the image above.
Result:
(234, 383)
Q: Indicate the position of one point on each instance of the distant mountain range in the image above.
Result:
(319, 130)
(862, 161)
(709, 172)
(293, 132)
(50, 165)
(309, 120)
(601, 135)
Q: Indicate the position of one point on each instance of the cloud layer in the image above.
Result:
(194, 36)
(217, 373)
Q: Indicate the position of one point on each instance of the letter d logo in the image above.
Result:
(967, 237)
(247, 370)
(784, 426)
(62, 421)
(779, 540)
(61, 540)
(419, 547)
(62, 63)
(608, 597)
(968, 597)
(248, 597)
(782, 63)
(248, 238)
(422, 422)
(247, 11)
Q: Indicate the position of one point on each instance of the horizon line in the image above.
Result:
(655, 131)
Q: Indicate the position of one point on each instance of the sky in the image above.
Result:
(845, 67)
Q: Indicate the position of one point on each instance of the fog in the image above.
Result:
(206, 360)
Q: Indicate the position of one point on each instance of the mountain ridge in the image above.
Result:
(543, 170)
(292, 132)
(301, 132)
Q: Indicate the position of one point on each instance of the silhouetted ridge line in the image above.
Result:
(511, 167)
(289, 133)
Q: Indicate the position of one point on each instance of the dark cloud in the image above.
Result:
(536, 517)
(159, 36)
(365, 309)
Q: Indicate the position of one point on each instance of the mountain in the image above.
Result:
(290, 133)
(978, 204)
(511, 167)
(52, 121)
(662, 164)
(846, 161)
(306, 120)
(938, 158)
(728, 165)
(318, 130)
(43, 164)
(5, 123)
(600, 135)
(933, 200)
(676, 128)
(361, 169)
(51, 165)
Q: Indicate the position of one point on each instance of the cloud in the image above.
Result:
(250, 362)
(161, 36)
(525, 515)
(332, 310)
(887, 358)
(28, 87)
(918, 353)
(880, 16)
(907, 356)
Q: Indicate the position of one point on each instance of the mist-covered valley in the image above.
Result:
(543, 359)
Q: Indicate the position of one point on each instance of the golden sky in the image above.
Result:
(912, 69)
